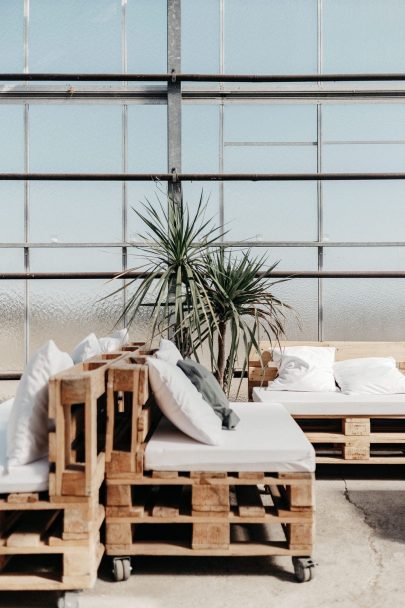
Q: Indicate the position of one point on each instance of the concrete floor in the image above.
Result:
(360, 548)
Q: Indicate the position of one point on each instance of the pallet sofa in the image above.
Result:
(50, 510)
(169, 495)
(344, 429)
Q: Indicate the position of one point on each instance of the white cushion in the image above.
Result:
(89, 347)
(31, 477)
(304, 368)
(114, 341)
(122, 335)
(27, 432)
(180, 401)
(266, 439)
(168, 352)
(373, 375)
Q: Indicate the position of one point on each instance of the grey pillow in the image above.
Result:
(212, 393)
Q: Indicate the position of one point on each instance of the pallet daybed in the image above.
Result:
(50, 512)
(170, 495)
(344, 429)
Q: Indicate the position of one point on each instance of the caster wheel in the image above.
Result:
(68, 600)
(121, 568)
(303, 568)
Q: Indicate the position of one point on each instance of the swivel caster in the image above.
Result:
(121, 568)
(68, 600)
(303, 568)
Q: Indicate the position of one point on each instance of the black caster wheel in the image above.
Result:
(121, 568)
(68, 600)
(303, 568)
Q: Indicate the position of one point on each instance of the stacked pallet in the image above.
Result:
(51, 540)
(191, 513)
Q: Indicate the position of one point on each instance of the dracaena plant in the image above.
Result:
(242, 308)
(176, 240)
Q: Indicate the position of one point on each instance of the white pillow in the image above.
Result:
(304, 368)
(373, 375)
(182, 404)
(168, 352)
(114, 341)
(89, 347)
(27, 430)
(122, 335)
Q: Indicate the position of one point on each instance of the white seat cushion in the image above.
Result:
(266, 439)
(333, 403)
(31, 477)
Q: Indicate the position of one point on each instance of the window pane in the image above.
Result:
(209, 191)
(364, 211)
(11, 138)
(363, 122)
(270, 159)
(200, 31)
(146, 36)
(200, 138)
(270, 123)
(147, 138)
(138, 193)
(11, 39)
(302, 295)
(270, 36)
(271, 211)
(363, 36)
(364, 157)
(12, 300)
(11, 212)
(75, 36)
(75, 212)
(75, 138)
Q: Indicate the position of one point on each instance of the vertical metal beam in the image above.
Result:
(124, 67)
(221, 112)
(174, 96)
(319, 170)
(26, 191)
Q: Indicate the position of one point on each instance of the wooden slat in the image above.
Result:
(167, 501)
(31, 529)
(249, 501)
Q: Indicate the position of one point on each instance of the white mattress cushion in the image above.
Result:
(31, 477)
(266, 439)
(333, 403)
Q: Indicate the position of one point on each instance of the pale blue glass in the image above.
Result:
(75, 36)
(364, 211)
(80, 138)
(12, 36)
(76, 259)
(209, 192)
(200, 138)
(363, 121)
(11, 312)
(270, 36)
(11, 138)
(147, 138)
(266, 211)
(270, 123)
(138, 194)
(200, 34)
(363, 36)
(364, 157)
(146, 22)
(270, 159)
(11, 211)
(75, 212)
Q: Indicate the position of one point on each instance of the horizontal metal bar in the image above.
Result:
(296, 274)
(199, 177)
(193, 77)
(240, 244)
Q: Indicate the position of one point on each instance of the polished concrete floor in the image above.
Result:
(360, 549)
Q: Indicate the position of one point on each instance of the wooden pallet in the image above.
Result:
(344, 439)
(51, 540)
(191, 513)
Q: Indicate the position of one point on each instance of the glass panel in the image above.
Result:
(200, 138)
(270, 159)
(75, 212)
(11, 212)
(364, 309)
(11, 39)
(363, 36)
(75, 138)
(200, 31)
(270, 123)
(302, 295)
(364, 211)
(75, 36)
(271, 211)
(138, 193)
(12, 300)
(11, 138)
(67, 311)
(363, 157)
(270, 36)
(192, 192)
(146, 36)
(363, 122)
(147, 138)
